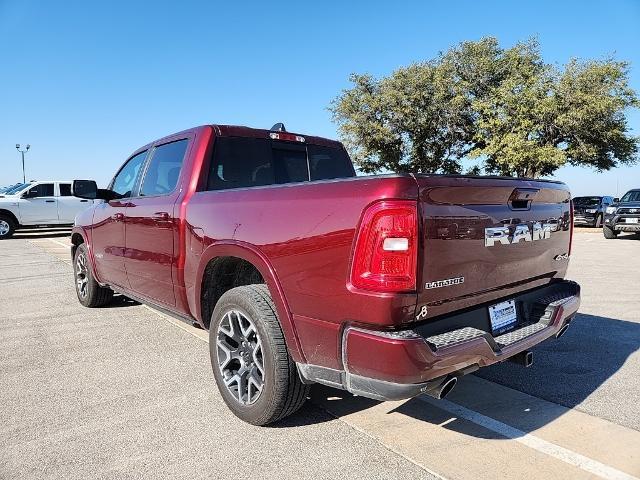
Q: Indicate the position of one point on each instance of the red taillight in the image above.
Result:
(571, 226)
(386, 248)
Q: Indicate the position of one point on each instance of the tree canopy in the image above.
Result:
(506, 108)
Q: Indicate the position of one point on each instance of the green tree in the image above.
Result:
(506, 108)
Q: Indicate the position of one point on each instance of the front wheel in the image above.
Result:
(254, 372)
(90, 293)
(7, 227)
(609, 232)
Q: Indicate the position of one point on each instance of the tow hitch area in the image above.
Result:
(523, 358)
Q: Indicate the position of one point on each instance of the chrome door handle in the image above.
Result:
(160, 216)
(49, 201)
(118, 217)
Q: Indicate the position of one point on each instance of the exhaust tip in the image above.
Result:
(562, 331)
(442, 389)
(447, 386)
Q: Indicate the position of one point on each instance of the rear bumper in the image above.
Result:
(402, 364)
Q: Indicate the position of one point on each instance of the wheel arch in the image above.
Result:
(248, 253)
(11, 215)
(79, 236)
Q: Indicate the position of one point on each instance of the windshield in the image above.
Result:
(632, 196)
(16, 188)
(587, 201)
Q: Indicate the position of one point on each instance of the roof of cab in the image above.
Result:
(242, 131)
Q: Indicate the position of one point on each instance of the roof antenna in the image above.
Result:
(278, 127)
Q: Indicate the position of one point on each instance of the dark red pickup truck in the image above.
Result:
(387, 286)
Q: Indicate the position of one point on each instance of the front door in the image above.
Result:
(108, 235)
(151, 226)
(68, 205)
(38, 205)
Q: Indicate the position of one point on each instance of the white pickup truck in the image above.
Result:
(39, 203)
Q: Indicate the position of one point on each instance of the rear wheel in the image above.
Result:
(254, 372)
(609, 232)
(90, 294)
(7, 227)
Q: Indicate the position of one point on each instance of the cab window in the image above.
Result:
(125, 180)
(164, 167)
(65, 189)
(40, 190)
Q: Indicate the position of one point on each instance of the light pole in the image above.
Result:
(24, 178)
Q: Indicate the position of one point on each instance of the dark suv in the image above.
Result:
(590, 210)
(623, 215)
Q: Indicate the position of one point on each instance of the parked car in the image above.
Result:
(39, 203)
(590, 210)
(623, 215)
(303, 272)
(12, 189)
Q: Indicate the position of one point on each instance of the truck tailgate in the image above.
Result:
(484, 239)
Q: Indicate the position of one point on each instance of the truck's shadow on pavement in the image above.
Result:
(120, 301)
(565, 371)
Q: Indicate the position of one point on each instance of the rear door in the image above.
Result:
(38, 205)
(68, 205)
(151, 224)
(488, 238)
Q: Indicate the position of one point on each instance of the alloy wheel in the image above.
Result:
(240, 357)
(82, 278)
(4, 228)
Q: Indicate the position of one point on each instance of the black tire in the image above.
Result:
(609, 232)
(598, 223)
(7, 227)
(282, 392)
(90, 294)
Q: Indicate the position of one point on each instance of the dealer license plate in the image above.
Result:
(631, 220)
(503, 316)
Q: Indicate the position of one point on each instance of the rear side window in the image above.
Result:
(65, 189)
(326, 163)
(164, 168)
(240, 162)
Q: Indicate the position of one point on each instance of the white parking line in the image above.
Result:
(564, 454)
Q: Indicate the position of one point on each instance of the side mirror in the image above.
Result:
(85, 189)
(616, 200)
(89, 189)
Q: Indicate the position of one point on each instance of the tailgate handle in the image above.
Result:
(521, 198)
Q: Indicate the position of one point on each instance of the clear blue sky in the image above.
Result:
(86, 83)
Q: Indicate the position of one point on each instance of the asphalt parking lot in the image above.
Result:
(126, 392)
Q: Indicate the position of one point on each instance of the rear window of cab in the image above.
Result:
(241, 162)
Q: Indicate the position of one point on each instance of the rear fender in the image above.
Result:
(254, 256)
